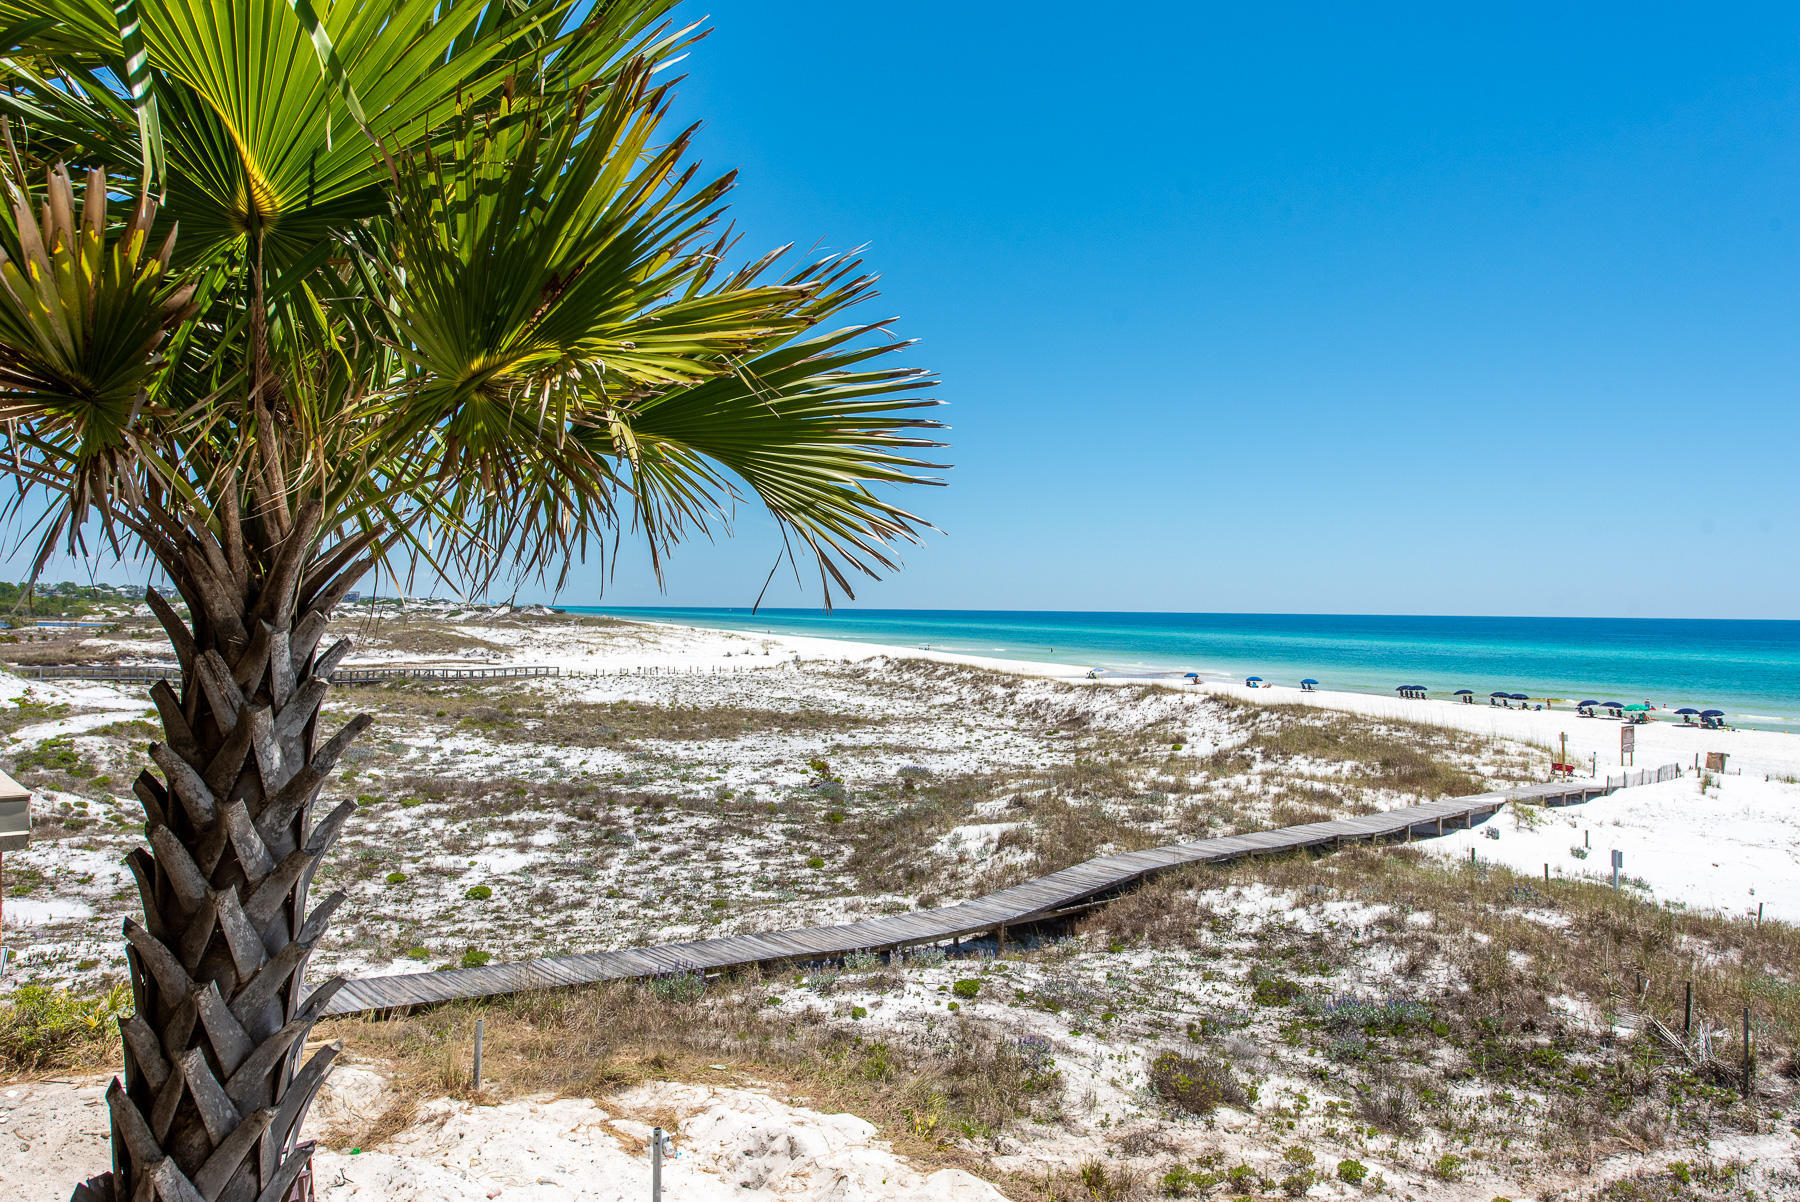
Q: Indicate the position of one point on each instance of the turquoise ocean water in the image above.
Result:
(1750, 669)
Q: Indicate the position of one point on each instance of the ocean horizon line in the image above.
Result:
(840, 610)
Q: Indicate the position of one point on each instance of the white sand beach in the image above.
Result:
(1593, 741)
(663, 787)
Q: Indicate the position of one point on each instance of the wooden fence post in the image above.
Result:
(1748, 1086)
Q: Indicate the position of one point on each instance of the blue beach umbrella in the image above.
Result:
(1712, 713)
(1248, 679)
(1507, 696)
(1687, 709)
(1309, 680)
(1613, 705)
(1586, 705)
(1463, 693)
(1521, 696)
(1190, 676)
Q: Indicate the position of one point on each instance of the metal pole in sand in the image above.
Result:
(478, 1026)
(656, 1157)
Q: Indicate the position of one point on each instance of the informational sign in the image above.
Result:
(1715, 761)
(1627, 741)
(15, 814)
(15, 833)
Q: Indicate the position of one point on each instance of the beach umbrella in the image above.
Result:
(1309, 680)
(1506, 696)
(1521, 696)
(1612, 705)
(1712, 713)
(1687, 709)
(1190, 676)
(1464, 693)
(1636, 709)
(1586, 705)
(1248, 679)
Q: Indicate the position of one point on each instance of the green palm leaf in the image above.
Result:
(81, 320)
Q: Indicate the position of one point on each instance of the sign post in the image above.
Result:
(15, 833)
(1628, 745)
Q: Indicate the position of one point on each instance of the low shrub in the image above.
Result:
(475, 958)
(1388, 1103)
(680, 985)
(52, 755)
(396, 878)
(1103, 1184)
(43, 1028)
(1274, 991)
(1198, 1085)
(1373, 1016)
(478, 893)
(966, 988)
(1355, 1172)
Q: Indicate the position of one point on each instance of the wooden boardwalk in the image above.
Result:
(1048, 897)
(151, 673)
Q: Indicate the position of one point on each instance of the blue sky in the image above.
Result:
(1244, 308)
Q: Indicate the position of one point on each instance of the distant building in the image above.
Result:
(352, 597)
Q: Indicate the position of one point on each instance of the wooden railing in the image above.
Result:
(151, 673)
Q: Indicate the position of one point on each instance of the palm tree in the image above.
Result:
(293, 291)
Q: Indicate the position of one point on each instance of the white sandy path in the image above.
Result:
(730, 1143)
(1728, 850)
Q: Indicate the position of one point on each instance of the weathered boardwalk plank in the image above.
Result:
(1082, 884)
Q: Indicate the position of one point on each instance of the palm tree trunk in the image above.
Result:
(214, 1092)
